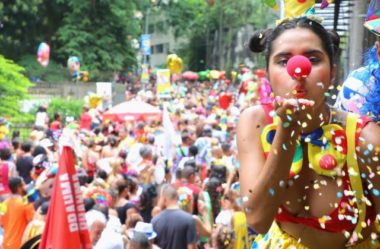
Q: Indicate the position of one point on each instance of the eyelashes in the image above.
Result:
(284, 61)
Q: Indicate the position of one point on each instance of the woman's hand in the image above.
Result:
(293, 112)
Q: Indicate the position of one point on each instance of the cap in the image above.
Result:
(145, 228)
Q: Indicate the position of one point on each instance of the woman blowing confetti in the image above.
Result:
(314, 168)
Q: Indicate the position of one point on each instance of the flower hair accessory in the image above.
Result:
(185, 196)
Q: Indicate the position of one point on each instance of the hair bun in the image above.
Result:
(257, 43)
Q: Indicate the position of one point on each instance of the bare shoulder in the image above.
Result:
(252, 115)
(251, 122)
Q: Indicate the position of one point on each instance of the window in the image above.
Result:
(159, 49)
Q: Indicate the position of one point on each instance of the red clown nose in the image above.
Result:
(299, 67)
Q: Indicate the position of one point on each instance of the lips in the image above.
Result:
(299, 92)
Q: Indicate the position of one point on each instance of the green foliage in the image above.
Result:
(195, 20)
(13, 87)
(72, 108)
(100, 33)
(54, 73)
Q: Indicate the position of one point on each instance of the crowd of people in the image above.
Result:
(138, 192)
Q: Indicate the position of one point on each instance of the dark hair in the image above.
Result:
(5, 154)
(121, 186)
(56, 116)
(263, 40)
(14, 183)
(16, 142)
(193, 150)
(89, 203)
(102, 174)
(15, 134)
(26, 146)
(38, 150)
(147, 196)
(214, 188)
(132, 184)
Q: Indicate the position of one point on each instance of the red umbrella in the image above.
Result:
(135, 110)
(66, 225)
(189, 75)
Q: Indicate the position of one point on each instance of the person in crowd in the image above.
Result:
(290, 196)
(123, 207)
(148, 200)
(17, 214)
(8, 170)
(360, 91)
(223, 238)
(147, 230)
(85, 119)
(57, 122)
(89, 158)
(174, 227)
(96, 222)
(36, 226)
(139, 241)
(24, 164)
(42, 118)
(146, 167)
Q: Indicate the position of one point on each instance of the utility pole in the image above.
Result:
(356, 37)
(220, 36)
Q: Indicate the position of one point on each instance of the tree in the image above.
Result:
(24, 24)
(100, 33)
(13, 87)
(198, 20)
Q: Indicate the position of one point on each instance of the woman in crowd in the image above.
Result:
(294, 168)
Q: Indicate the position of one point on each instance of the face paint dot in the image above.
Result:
(339, 195)
(375, 192)
(271, 192)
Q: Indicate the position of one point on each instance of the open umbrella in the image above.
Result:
(132, 109)
(189, 75)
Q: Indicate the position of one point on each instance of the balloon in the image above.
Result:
(299, 67)
(203, 75)
(260, 73)
(225, 100)
(189, 75)
(73, 64)
(233, 75)
(84, 76)
(244, 70)
(222, 75)
(214, 74)
(43, 54)
(174, 63)
(94, 100)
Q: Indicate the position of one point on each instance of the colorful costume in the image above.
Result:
(331, 151)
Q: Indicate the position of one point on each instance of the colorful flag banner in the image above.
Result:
(66, 225)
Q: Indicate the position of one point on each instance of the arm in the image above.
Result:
(262, 206)
(202, 228)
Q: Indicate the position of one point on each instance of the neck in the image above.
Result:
(172, 205)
